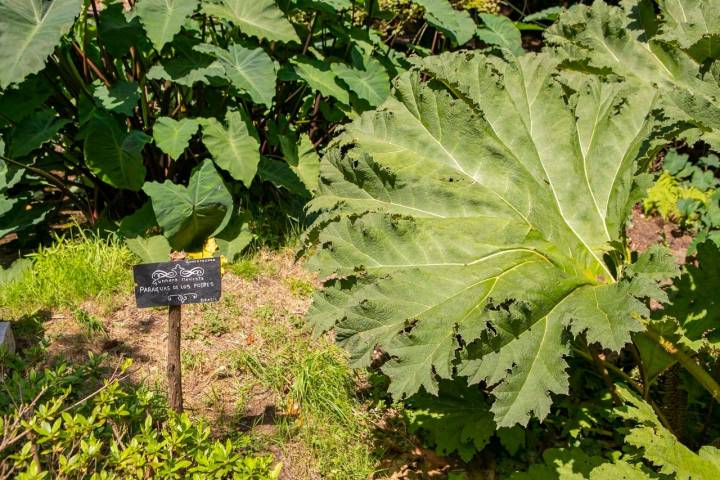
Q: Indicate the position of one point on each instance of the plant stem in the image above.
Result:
(638, 388)
(306, 45)
(687, 362)
(57, 181)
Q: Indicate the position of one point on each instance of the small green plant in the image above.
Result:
(687, 192)
(191, 360)
(211, 324)
(265, 312)
(92, 325)
(246, 268)
(300, 287)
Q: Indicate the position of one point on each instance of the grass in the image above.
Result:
(212, 324)
(300, 287)
(91, 325)
(71, 270)
(246, 268)
(315, 392)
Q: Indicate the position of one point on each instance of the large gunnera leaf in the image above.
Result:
(29, 31)
(675, 52)
(466, 230)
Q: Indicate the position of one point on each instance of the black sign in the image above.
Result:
(177, 283)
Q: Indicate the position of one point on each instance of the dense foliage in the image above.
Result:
(64, 422)
(472, 234)
(193, 118)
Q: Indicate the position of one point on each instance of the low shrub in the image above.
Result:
(66, 422)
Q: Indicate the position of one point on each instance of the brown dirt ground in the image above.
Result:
(647, 230)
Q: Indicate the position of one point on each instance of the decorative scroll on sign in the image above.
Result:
(177, 283)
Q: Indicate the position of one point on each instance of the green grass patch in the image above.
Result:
(71, 270)
(315, 391)
(246, 268)
(299, 286)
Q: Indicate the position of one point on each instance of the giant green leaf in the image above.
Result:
(172, 136)
(259, 18)
(688, 22)
(162, 19)
(601, 39)
(252, 71)
(114, 155)
(190, 215)
(456, 24)
(29, 32)
(234, 146)
(477, 222)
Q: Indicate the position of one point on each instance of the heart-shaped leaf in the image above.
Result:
(29, 31)
(251, 71)
(259, 18)
(115, 155)
(172, 136)
(190, 215)
(233, 146)
(162, 19)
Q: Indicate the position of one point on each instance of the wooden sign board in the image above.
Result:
(177, 283)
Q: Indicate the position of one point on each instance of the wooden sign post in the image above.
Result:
(174, 284)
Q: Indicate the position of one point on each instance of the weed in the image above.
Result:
(73, 269)
(91, 325)
(246, 268)
(191, 360)
(264, 312)
(211, 324)
(299, 286)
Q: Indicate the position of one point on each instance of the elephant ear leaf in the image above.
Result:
(190, 215)
(172, 136)
(115, 155)
(163, 18)
(259, 18)
(29, 31)
(150, 249)
(234, 146)
(463, 237)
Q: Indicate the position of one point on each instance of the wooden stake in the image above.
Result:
(174, 372)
